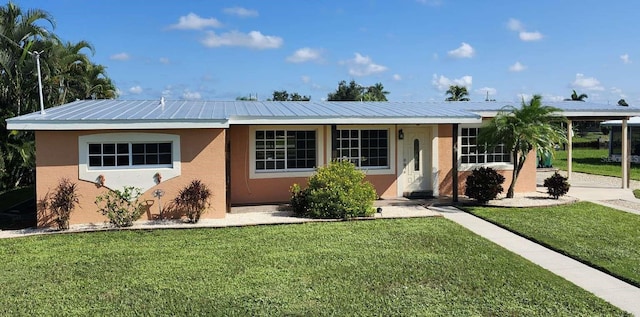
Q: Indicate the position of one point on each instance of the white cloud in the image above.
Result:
(483, 91)
(120, 57)
(618, 92)
(241, 12)
(530, 36)
(363, 66)
(305, 54)
(397, 77)
(517, 67)
(191, 95)
(625, 58)
(522, 96)
(193, 21)
(515, 25)
(549, 97)
(305, 79)
(588, 83)
(135, 90)
(164, 60)
(442, 83)
(464, 51)
(253, 39)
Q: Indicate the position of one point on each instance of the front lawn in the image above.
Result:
(384, 267)
(603, 237)
(590, 161)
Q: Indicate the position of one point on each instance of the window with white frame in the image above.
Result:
(364, 147)
(471, 153)
(285, 150)
(126, 154)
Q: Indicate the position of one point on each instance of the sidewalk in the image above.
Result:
(614, 291)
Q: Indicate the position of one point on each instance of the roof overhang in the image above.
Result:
(114, 124)
(353, 120)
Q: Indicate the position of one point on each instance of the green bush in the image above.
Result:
(63, 201)
(338, 190)
(193, 199)
(121, 207)
(484, 184)
(556, 185)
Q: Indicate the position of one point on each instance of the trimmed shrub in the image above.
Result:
(193, 199)
(556, 185)
(338, 190)
(63, 201)
(121, 207)
(484, 184)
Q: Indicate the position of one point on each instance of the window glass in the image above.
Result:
(470, 153)
(364, 148)
(128, 154)
(282, 150)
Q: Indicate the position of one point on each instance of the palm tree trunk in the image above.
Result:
(514, 178)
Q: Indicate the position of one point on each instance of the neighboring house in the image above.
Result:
(615, 139)
(251, 152)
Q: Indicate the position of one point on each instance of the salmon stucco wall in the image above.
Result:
(245, 190)
(201, 158)
(526, 179)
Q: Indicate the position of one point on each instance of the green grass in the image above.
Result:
(636, 192)
(589, 161)
(600, 236)
(11, 198)
(385, 267)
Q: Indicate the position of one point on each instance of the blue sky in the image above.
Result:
(219, 50)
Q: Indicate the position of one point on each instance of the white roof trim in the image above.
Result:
(353, 120)
(113, 125)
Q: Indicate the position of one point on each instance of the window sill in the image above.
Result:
(495, 166)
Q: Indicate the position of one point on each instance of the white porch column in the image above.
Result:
(569, 148)
(625, 154)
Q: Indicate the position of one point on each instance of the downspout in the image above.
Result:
(454, 162)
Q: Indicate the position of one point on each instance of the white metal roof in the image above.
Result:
(632, 122)
(179, 114)
(176, 114)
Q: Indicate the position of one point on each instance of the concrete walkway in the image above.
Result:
(256, 215)
(619, 293)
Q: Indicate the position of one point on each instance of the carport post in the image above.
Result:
(569, 148)
(625, 154)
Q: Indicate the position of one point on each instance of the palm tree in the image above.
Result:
(532, 126)
(457, 93)
(97, 85)
(375, 93)
(576, 97)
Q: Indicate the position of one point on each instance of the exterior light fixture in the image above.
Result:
(400, 134)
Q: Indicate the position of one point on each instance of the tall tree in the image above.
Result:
(376, 93)
(283, 95)
(457, 93)
(355, 92)
(521, 130)
(623, 103)
(67, 75)
(576, 97)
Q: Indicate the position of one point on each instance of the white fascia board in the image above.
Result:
(113, 125)
(600, 114)
(574, 113)
(359, 120)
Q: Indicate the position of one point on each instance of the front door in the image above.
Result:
(416, 162)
